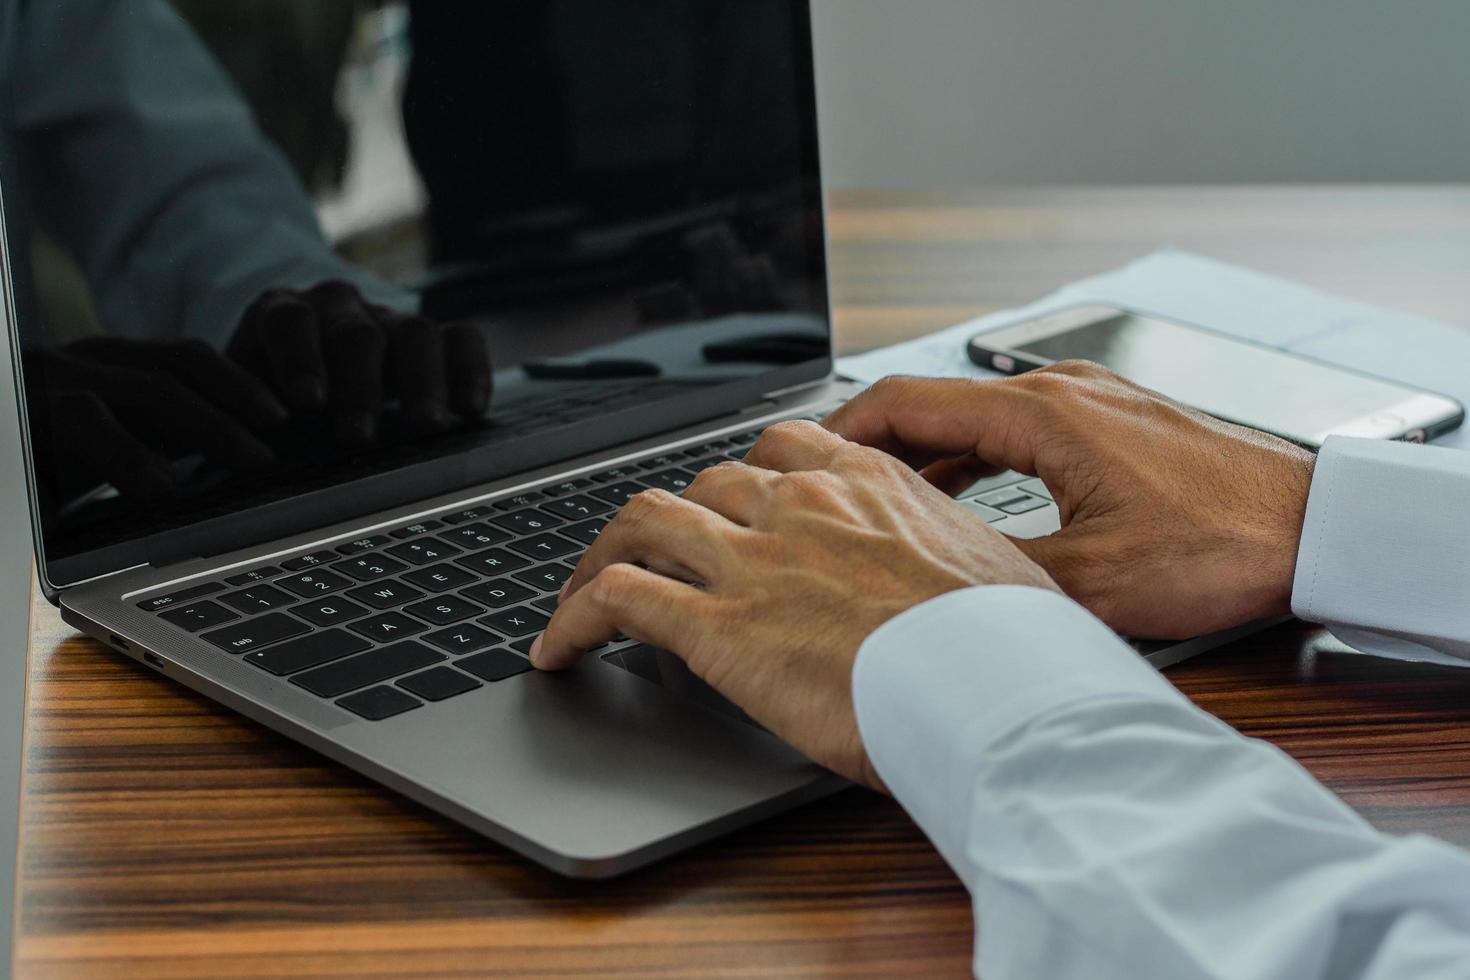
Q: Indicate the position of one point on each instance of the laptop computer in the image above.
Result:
(622, 198)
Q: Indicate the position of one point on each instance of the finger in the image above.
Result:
(789, 447)
(419, 373)
(171, 417)
(192, 362)
(921, 420)
(667, 534)
(471, 378)
(955, 476)
(100, 444)
(623, 600)
(735, 491)
(288, 336)
(355, 349)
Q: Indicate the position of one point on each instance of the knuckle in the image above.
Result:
(894, 386)
(613, 586)
(641, 507)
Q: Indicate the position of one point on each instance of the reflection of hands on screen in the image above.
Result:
(327, 352)
(119, 409)
(320, 359)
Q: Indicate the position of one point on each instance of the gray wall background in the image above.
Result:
(946, 92)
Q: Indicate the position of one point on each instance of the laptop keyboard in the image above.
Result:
(425, 612)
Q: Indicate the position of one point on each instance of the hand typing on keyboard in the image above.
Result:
(1175, 524)
(799, 553)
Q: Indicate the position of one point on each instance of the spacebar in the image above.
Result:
(367, 668)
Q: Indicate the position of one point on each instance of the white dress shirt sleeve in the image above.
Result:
(1384, 561)
(1106, 828)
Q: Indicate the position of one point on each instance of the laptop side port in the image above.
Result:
(119, 642)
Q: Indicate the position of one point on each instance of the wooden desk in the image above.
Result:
(164, 837)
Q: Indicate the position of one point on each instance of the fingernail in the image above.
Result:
(536, 651)
(562, 593)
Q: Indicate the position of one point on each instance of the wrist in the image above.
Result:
(1287, 515)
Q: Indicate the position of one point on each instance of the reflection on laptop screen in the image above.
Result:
(268, 248)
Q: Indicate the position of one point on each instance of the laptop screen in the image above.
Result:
(280, 263)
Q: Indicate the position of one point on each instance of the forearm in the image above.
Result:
(1384, 560)
(1107, 828)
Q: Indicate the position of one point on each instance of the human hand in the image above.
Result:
(1174, 524)
(327, 351)
(799, 553)
(118, 409)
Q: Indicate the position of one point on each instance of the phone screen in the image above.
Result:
(1243, 383)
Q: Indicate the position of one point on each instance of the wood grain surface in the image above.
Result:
(164, 837)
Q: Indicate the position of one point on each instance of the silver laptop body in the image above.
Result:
(649, 310)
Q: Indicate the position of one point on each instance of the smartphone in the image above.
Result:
(1288, 395)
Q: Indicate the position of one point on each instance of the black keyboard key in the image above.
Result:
(465, 516)
(545, 546)
(313, 583)
(444, 610)
(369, 569)
(737, 455)
(309, 561)
(257, 598)
(386, 595)
(662, 462)
(700, 465)
(520, 500)
(476, 536)
(258, 632)
(254, 575)
(363, 544)
(516, 622)
(578, 508)
(547, 578)
(388, 627)
(528, 522)
(426, 551)
(196, 616)
(184, 595)
(569, 487)
(463, 638)
(414, 530)
(307, 652)
(498, 593)
(619, 493)
(745, 438)
(523, 646)
(587, 531)
(674, 481)
(329, 612)
(440, 578)
(494, 665)
(717, 448)
(368, 668)
(439, 684)
(618, 474)
(379, 703)
(496, 561)
(547, 603)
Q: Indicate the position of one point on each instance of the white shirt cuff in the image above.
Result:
(1384, 560)
(938, 685)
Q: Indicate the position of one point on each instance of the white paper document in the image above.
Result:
(1195, 289)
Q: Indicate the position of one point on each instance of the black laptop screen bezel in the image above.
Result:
(444, 475)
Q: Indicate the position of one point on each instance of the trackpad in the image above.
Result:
(670, 673)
